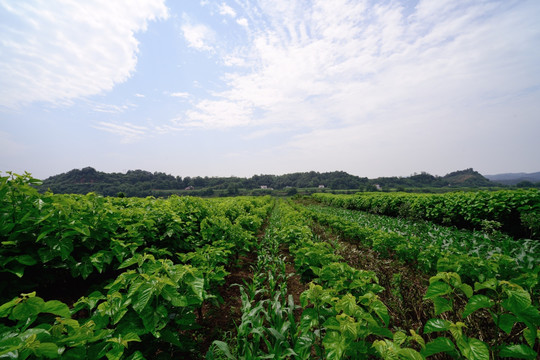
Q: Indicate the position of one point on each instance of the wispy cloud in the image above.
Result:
(126, 131)
(226, 10)
(139, 95)
(180, 94)
(110, 108)
(347, 63)
(68, 50)
(197, 36)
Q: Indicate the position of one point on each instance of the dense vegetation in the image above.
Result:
(516, 212)
(144, 183)
(87, 276)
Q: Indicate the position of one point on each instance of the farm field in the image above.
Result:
(86, 276)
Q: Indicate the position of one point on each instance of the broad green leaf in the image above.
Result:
(381, 310)
(467, 289)
(436, 289)
(347, 326)
(28, 308)
(335, 345)
(399, 338)
(5, 309)
(47, 349)
(197, 286)
(144, 294)
(57, 308)
(475, 350)
(347, 304)
(475, 303)
(137, 355)
(26, 260)
(433, 325)
(518, 352)
(530, 336)
(488, 284)
(442, 305)
(506, 322)
(409, 354)
(131, 261)
(438, 345)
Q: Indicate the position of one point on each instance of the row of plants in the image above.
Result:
(341, 312)
(268, 327)
(159, 262)
(476, 254)
(488, 319)
(431, 248)
(516, 212)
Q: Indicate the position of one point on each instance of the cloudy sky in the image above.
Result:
(244, 87)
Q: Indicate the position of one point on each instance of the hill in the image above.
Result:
(145, 183)
(514, 178)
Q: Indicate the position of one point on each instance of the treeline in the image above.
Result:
(144, 183)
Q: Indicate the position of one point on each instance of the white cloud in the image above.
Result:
(126, 131)
(110, 108)
(218, 114)
(345, 63)
(180, 94)
(139, 95)
(55, 51)
(242, 22)
(198, 36)
(226, 10)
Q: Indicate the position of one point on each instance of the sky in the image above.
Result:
(244, 87)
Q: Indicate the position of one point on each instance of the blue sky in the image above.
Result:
(244, 87)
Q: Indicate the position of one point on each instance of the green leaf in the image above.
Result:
(436, 289)
(381, 310)
(57, 308)
(438, 345)
(5, 309)
(224, 348)
(409, 354)
(335, 345)
(475, 350)
(399, 338)
(488, 284)
(442, 305)
(137, 355)
(131, 261)
(518, 352)
(47, 349)
(26, 260)
(475, 303)
(467, 289)
(530, 336)
(506, 322)
(144, 294)
(28, 308)
(433, 325)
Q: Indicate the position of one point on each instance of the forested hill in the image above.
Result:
(145, 183)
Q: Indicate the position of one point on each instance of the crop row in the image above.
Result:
(147, 267)
(459, 305)
(516, 212)
(476, 255)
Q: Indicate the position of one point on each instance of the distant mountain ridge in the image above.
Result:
(145, 183)
(514, 178)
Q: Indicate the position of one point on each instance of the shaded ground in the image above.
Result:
(219, 321)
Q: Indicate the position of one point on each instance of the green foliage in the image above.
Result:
(515, 210)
